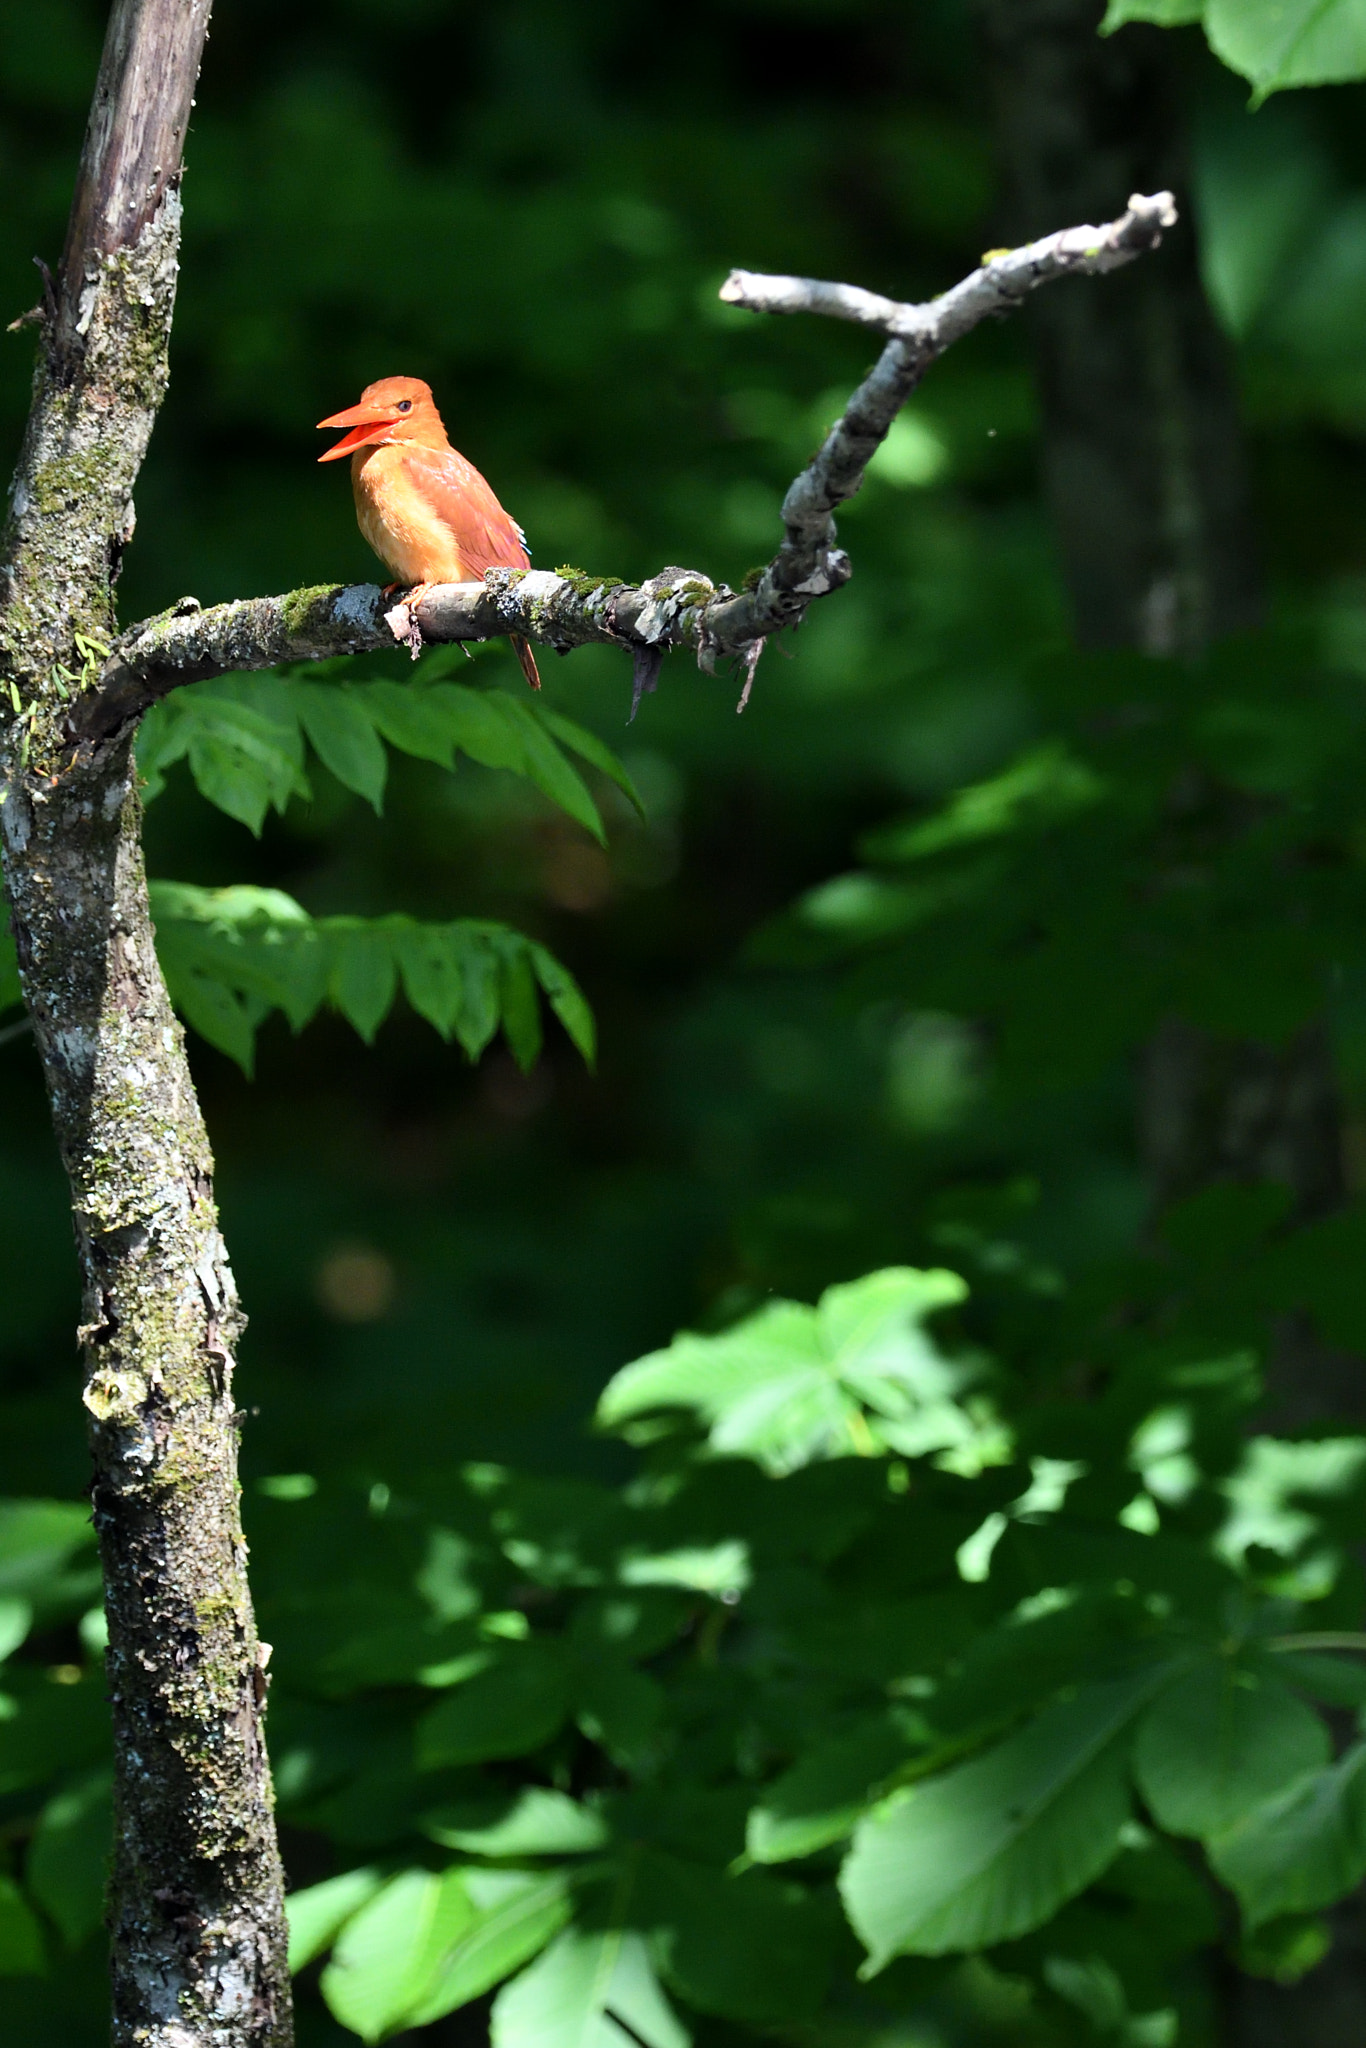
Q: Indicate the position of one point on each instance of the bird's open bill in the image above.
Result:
(369, 425)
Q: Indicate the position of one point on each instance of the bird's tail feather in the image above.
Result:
(522, 649)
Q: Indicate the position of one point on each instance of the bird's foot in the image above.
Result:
(402, 619)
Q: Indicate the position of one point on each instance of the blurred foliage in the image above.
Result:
(655, 1720)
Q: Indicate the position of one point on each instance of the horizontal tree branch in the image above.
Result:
(678, 607)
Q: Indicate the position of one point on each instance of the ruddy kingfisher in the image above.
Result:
(426, 511)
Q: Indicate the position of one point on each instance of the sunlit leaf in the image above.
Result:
(1303, 1849)
(1217, 1742)
(318, 1914)
(569, 1996)
(992, 1848)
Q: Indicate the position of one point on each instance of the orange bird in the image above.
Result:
(426, 512)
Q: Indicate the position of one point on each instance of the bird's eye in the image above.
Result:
(405, 405)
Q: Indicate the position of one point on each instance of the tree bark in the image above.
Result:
(1143, 460)
(196, 1896)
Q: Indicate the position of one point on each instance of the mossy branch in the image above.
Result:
(678, 608)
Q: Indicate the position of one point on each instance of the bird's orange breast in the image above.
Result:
(399, 521)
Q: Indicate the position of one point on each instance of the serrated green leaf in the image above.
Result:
(518, 1004)
(1302, 1850)
(821, 1798)
(477, 1019)
(413, 717)
(385, 1954)
(216, 1012)
(991, 1849)
(517, 1913)
(362, 977)
(342, 734)
(567, 1000)
(230, 955)
(318, 1913)
(589, 748)
(568, 1996)
(481, 728)
(67, 1859)
(514, 1705)
(1217, 1742)
(242, 741)
(547, 767)
(433, 961)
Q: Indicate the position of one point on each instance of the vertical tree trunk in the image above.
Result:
(1146, 479)
(1143, 460)
(196, 1897)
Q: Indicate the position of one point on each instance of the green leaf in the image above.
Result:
(1301, 1850)
(619, 1707)
(517, 1913)
(547, 767)
(16, 1619)
(819, 1800)
(792, 1384)
(38, 1539)
(318, 1914)
(1166, 13)
(1217, 1742)
(1279, 43)
(21, 1938)
(242, 740)
(433, 959)
(521, 1011)
(362, 978)
(385, 1954)
(568, 1997)
(68, 1856)
(1041, 789)
(590, 748)
(537, 1822)
(567, 1000)
(343, 736)
(517, 1702)
(412, 717)
(231, 955)
(746, 1947)
(991, 1849)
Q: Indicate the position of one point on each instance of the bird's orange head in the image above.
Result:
(394, 409)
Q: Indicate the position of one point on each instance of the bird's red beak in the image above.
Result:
(368, 424)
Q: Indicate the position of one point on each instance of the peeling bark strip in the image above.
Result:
(678, 607)
(196, 1897)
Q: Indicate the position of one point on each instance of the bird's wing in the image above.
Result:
(487, 536)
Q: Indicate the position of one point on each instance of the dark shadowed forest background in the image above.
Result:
(964, 946)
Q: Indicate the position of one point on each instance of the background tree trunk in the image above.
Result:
(1147, 481)
(1143, 462)
(196, 1896)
